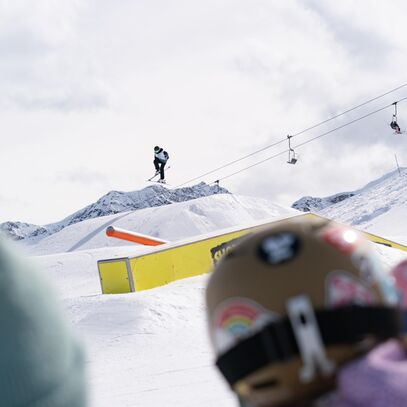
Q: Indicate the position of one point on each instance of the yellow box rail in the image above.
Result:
(115, 276)
(174, 261)
(169, 262)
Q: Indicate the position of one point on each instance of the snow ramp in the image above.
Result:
(169, 262)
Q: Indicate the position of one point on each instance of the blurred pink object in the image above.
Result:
(400, 275)
(378, 379)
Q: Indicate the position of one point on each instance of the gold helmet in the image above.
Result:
(290, 304)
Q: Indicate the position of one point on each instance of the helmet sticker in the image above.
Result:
(237, 318)
(342, 288)
(372, 273)
(342, 238)
(279, 248)
(399, 274)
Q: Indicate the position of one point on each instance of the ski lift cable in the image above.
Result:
(294, 135)
(253, 165)
(349, 110)
(349, 123)
(310, 140)
(233, 162)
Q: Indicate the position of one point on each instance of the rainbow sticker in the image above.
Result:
(238, 318)
(343, 288)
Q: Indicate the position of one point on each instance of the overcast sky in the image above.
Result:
(88, 88)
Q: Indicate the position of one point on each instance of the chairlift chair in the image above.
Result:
(292, 156)
(293, 159)
(394, 125)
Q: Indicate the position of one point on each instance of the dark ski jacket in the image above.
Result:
(161, 155)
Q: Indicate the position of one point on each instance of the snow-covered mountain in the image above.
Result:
(168, 222)
(313, 204)
(112, 203)
(379, 207)
(20, 230)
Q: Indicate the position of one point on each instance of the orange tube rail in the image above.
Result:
(133, 237)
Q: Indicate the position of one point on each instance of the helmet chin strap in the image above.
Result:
(306, 332)
(308, 337)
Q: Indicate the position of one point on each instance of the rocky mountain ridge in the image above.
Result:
(112, 203)
(372, 207)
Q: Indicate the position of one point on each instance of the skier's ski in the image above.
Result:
(150, 179)
(156, 174)
(159, 182)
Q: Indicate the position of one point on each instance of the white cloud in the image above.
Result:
(43, 63)
(95, 85)
(81, 175)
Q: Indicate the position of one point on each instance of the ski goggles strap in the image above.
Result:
(276, 342)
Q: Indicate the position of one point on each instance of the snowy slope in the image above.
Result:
(148, 349)
(170, 222)
(151, 348)
(379, 207)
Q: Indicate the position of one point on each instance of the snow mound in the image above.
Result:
(169, 222)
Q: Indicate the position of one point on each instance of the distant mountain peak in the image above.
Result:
(111, 203)
(362, 207)
(20, 230)
(312, 204)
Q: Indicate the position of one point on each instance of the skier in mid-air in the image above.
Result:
(160, 159)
